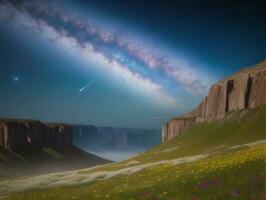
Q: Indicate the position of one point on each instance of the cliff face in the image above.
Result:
(30, 147)
(16, 134)
(175, 127)
(119, 139)
(245, 89)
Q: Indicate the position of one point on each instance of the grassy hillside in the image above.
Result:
(35, 160)
(218, 160)
(238, 175)
(237, 128)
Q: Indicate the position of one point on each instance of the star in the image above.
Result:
(16, 79)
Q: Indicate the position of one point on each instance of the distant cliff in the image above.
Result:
(16, 134)
(114, 141)
(31, 147)
(115, 138)
(245, 89)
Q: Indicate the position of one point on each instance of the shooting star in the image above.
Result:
(86, 86)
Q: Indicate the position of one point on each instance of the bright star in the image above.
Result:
(16, 79)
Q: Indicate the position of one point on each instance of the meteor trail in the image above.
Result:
(86, 86)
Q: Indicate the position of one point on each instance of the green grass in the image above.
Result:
(53, 153)
(4, 158)
(238, 175)
(228, 173)
(237, 128)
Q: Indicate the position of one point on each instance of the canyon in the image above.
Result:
(115, 138)
(29, 147)
(115, 143)
(243, 90)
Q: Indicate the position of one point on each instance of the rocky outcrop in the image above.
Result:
(3, 135)
(245, 89)
(30, 147)
(257, 87)
(16, 134)
(175, 127)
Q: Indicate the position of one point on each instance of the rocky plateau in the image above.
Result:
(244, 89)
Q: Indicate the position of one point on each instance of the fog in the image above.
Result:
(116, 155)
(115, 144)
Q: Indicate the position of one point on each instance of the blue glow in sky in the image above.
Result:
(16, 79)
(152, 59)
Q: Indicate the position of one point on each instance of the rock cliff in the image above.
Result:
(109, 138)
(115, 143)
(30, 147)
(244, 89)
(16, 134)
(175, 127)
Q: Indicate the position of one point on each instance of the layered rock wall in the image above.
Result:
(245, 89)
(257, 95)
(175, 127)
(3, 134)
(19, 134)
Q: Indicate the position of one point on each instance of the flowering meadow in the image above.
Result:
(240, 174)
(220, 160)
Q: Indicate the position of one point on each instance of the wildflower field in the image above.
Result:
(217, 160)
(235, 175)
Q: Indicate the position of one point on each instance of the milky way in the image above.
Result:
(135, 64)
(152, 59)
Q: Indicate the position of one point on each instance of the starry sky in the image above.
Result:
(121, 63)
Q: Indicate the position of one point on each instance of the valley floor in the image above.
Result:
(218, 160)
(239, 173)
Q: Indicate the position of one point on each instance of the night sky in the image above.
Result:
(121, 63)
